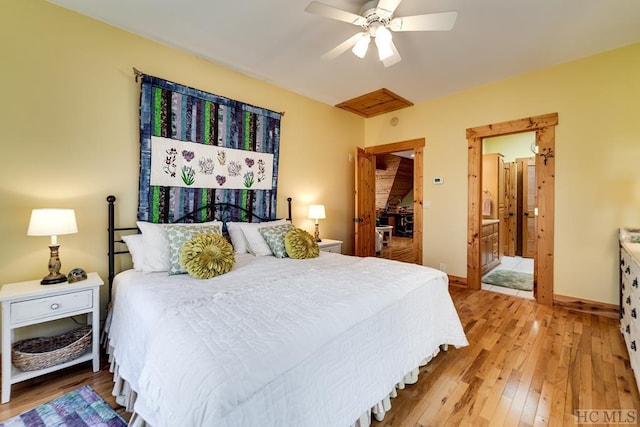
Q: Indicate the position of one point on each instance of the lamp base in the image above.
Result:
(316, 233)
(54, 275)
(51, 279)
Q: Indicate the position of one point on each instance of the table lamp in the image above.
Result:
(317, 212)
(53, 222)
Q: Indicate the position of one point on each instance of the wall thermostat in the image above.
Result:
(438, 180)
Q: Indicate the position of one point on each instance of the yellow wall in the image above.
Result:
(597, 162)
(69, 131)
(517, 145)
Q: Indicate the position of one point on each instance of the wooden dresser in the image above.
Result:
(630, 295)
(489, 246)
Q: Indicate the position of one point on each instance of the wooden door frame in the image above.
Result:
(544, 127)
(417, 145)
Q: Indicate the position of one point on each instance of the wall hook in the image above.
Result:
(546, 154)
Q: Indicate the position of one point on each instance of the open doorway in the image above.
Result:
(544, 128)
(394, 206)
(365, 215)
(508, 221)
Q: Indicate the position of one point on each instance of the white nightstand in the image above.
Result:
(328, 245)
(30, 303)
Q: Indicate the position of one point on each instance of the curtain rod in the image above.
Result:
(139, 74)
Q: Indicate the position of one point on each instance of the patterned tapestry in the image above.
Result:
(197, 148)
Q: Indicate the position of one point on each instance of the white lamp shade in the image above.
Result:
(52, 222)
(316, 212)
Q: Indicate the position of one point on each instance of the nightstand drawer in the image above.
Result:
(328, 245)
(25, 311)
(333, 248)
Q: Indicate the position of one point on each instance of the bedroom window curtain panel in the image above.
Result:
(170, 110)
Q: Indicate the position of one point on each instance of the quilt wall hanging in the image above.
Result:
(197, 148)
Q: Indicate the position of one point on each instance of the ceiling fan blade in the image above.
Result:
(443, 21)
(388, 7)
(393, 59)
(343, 47)
(331, 12)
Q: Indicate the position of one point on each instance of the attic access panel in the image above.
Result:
(375, 103)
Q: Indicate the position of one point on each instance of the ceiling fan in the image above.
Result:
(376, 19)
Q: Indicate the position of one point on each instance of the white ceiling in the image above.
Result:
(276, 41)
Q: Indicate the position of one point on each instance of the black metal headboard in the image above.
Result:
(225, 212)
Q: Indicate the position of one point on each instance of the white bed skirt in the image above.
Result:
(126, 396)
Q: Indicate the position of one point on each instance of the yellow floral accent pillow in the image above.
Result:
(300, 244)
(207, 255)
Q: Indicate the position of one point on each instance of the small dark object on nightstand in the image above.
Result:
(76, 275)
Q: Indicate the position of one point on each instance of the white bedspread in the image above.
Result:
(277, 342)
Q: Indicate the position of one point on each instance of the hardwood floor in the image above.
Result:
(526, 365)
(400, 249)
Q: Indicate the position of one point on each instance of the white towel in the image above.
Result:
(486, 206)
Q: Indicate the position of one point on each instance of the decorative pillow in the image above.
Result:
(207, 255)
(136, 249)
(274, 236)
(300, 244)
(157, 256)
(178, 234)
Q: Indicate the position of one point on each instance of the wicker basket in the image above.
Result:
(40, 353)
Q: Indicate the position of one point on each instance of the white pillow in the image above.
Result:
(237, 238)
(157, 255)
(255, 242)
(136, 249)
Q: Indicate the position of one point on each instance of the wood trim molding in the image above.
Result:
(474, 215)
(545, 183)
(418, 197)
(544, 126)
(585, 306)
(457, 281)
(528, 124)
(410, 144)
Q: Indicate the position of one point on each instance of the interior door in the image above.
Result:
(364, 219)
(529, 205)
(508, 220)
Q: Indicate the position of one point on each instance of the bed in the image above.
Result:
(275, 341)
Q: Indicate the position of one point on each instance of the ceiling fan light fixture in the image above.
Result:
(361, 46)
(376, 20)
(383, 43)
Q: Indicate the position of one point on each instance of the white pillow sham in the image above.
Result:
(237, 238)
(136, 249)
(157, 255)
